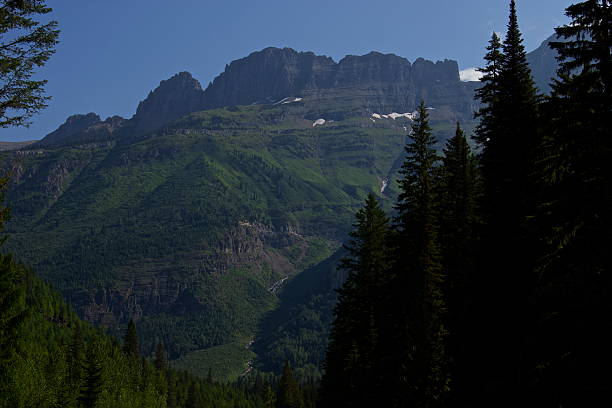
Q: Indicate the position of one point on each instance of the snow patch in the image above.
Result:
(385, 183)
(289, 99)
(395, 115)
(318, 122)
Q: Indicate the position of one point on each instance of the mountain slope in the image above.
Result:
(192, 222)
(186, 230)
(544, 65)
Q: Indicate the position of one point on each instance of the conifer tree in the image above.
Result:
(489, 92)
(25, 44)
(269, 397)
(288, 394)
(92, 382)
(576, 214)
(505, 283)
(352, 369)
(75, 357)
(161, 357)
(418, 299)
(130, 341)
(458, 196)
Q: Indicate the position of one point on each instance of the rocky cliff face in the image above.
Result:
(269, 75)
(173, 98)
(380, 81)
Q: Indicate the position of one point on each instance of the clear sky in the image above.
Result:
(113, 52)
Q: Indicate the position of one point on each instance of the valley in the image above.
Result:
(200, 216)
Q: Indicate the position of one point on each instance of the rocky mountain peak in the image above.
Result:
(428, 72)
(268, 75)
(174, 97)
(544, 64)
(373, 67)
(71, 127)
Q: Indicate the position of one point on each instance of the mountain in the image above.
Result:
(193, 215)
(87, 128)
(544, 65)
(375, 83)
(173, 98)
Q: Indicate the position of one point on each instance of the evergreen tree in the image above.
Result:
(171, 401)
(269, 397)
(288, 394)
(92, 382)
(458, 216)
(489, 92)
(25, 44)
(130, 341)
(421, 371)
(352, 369)
(161, 357)
(575, 287)
(505, 281)
(75, 357)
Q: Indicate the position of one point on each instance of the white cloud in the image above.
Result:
(470, 74)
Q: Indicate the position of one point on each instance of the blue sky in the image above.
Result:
(113, 52)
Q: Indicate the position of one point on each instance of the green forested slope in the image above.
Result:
(188, 229)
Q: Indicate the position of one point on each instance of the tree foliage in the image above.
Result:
(25, 44)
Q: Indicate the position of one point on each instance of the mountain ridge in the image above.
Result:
(271, 74)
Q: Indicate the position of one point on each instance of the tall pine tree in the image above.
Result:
(422, 369)
(92, 381)
(353, 365)
(130, 341)
(289, 394)
(575, 295)
(489, 92)
(504, 285)
(459, 221)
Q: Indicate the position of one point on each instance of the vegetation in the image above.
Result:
(488, 282)
(25, 45)
(500, 283)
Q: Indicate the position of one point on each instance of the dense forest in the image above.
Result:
(488, 284)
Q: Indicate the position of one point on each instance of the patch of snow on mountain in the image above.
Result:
(289, 99)
(395, 115)
(318, 122)
(385, 183)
